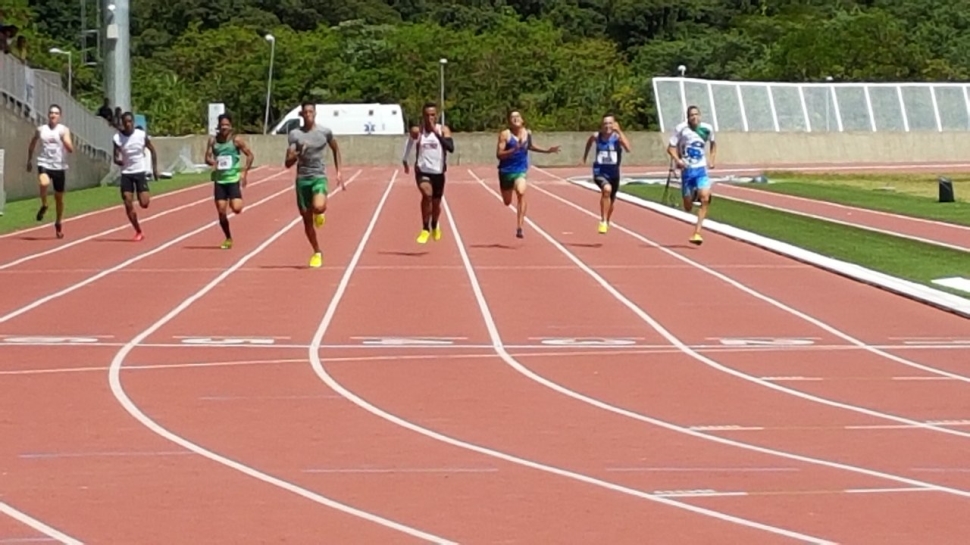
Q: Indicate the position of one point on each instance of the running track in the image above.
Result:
(941, 233)
(566, 388)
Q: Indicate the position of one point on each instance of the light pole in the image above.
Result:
(441, 64)
(269, 80)
(70, 67)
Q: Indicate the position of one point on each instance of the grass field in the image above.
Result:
(892, 255)
(911, 195)
(21, 214)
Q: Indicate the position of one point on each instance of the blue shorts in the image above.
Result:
(693, 180)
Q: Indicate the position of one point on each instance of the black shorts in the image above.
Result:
(437, 182)
(614, 182)
(134, 183)
(226, 192)
(57, 178)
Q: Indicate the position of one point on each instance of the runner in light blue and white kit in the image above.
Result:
(687, 148)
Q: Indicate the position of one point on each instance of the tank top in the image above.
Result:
(132, 151)
(608, 155)
(52, 150)
(227, 161)
(518, 162)
(431, 154)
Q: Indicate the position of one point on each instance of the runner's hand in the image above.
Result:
(340, 179)
(245, 179)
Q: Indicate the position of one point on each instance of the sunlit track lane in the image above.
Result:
(26, 282)
(703, 396)
(75, 459)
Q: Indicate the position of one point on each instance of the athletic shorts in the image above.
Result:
(57, 178)
(134, 183)
(612, 179)
(437, 182)
(692, 181)
(506, 180)
(226, 191)
(306, 188)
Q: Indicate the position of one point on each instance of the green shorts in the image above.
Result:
(306, 188)
(506, 181)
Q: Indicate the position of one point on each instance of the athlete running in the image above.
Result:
(610, 144)
(55, 139)
(130, 144)
(306, 150)
(222, 153)
(687, 148)
(433, 143)
(512, 152)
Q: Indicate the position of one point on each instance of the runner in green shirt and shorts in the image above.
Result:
(223, 154)
(306, 150)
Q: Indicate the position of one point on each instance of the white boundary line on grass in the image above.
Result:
(918, 292)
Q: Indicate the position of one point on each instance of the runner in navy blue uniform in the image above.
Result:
(610, 144)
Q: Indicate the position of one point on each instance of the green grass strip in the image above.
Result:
(916, 202)
(900, 257)
(21, 214)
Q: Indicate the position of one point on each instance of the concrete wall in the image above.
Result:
(765, 150)
(87, 165)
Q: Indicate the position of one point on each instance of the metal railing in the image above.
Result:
(745, 106)
(26, 92)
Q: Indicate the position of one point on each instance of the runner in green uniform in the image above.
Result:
(223, 155)
(306, 150)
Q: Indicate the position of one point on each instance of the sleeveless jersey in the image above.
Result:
(431, 154)
(132, 151)
(227, 157)
(518, 162)
(608, 156)
(692, 145)
(52, 150)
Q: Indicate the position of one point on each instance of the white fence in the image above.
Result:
(744, 106)
(28, 91)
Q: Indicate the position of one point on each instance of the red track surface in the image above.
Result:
(949, 234)
(498, 425)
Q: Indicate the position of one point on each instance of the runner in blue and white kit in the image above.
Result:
(610, 144)
(687, 148)
(512, 152)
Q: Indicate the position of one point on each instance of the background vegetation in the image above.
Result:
(563, 62)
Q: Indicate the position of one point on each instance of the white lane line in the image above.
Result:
(118, 390)
(146, 219)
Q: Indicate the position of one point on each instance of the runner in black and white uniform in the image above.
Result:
(433, 143)
(130, 144)
(56, 142)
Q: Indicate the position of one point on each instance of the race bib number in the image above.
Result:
(224, 162)
(606, 157)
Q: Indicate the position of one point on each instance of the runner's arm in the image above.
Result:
(446, 140)
(244, 147)
(291, 152)
(710, 163)
(674, 152)
(537, 149)
(503, 139)
(151, 148)
(68, 140)
(623, 139)
(335, 150)
(209, 156)
(31, 148)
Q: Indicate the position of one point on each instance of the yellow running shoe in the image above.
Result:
(423, 237)
(227, 245)
(696, 239)
(316, 261)
(604, 227)
(319, 220)
(436, 233)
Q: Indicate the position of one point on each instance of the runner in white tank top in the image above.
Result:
(56, 143)
(433, 143)
(130, 144)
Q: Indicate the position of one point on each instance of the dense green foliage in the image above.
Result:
(563, 62)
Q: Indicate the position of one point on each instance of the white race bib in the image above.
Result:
(606, 157)
(224, 162)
